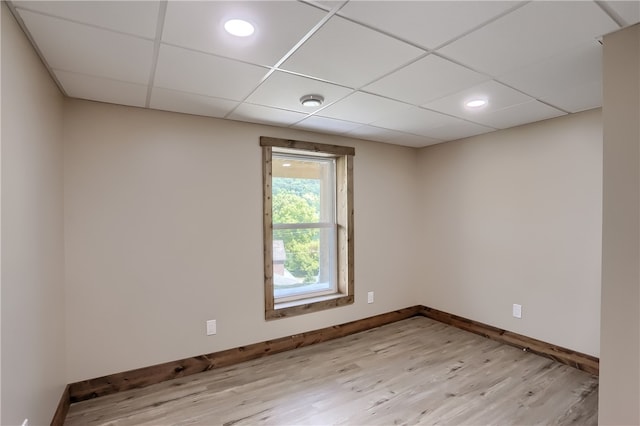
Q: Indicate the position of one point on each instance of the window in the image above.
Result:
(308, 226)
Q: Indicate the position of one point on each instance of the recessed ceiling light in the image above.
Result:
(311, 100)
(286, 164)
(239, 28)
(476, 103)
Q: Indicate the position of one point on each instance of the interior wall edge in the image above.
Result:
(32, 311)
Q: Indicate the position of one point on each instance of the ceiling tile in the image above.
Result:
(278, 27)
(328, 125)
(363, 108)
(89, 50)
(498, 95)
(426, 79)
(627, 11)
(529, 34)
(571, 80)
(139, 18)
(171, 100)
(577, 98)
(517, 115)
(426, 23)
(531, 59)
(458, 129)
(390, 136)
(349, 54)
(416, 120)
(283, 90)
(265, 115)
(102, 89)
(432, 125)
(205, 74)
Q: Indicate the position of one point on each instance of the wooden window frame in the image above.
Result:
(344, 218)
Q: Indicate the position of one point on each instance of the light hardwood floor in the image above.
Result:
(416, 371)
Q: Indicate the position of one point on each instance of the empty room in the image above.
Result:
(320, 212)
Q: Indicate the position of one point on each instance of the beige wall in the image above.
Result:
(162, 211)
(515, 217)
(33, 358)
(620, 358)
(163, 216)
(2, 11)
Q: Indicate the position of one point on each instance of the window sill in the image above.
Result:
(304, 306)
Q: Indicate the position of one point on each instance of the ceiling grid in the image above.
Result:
(398, 72)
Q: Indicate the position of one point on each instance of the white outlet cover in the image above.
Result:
(517, 310)
(370, 297)
(211, 327)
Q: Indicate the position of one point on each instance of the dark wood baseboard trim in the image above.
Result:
(146, 376)
(63, 408)
(578, 360)
(141, 377)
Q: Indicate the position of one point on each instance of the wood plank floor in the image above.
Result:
(416, 371)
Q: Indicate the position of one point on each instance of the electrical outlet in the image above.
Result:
(370, 297)
(211, 327)
(517, 310)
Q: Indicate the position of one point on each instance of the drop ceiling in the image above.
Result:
(389, 71)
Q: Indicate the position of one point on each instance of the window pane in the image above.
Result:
(303, 190)
(303, 261)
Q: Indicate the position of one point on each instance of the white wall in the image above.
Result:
(620, 360)
(163, 217)
(515, 216)
(33, 342)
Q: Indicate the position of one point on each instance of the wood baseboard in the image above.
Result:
(141, 377)
(63, 408)
(93, 388)
(578, 360)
